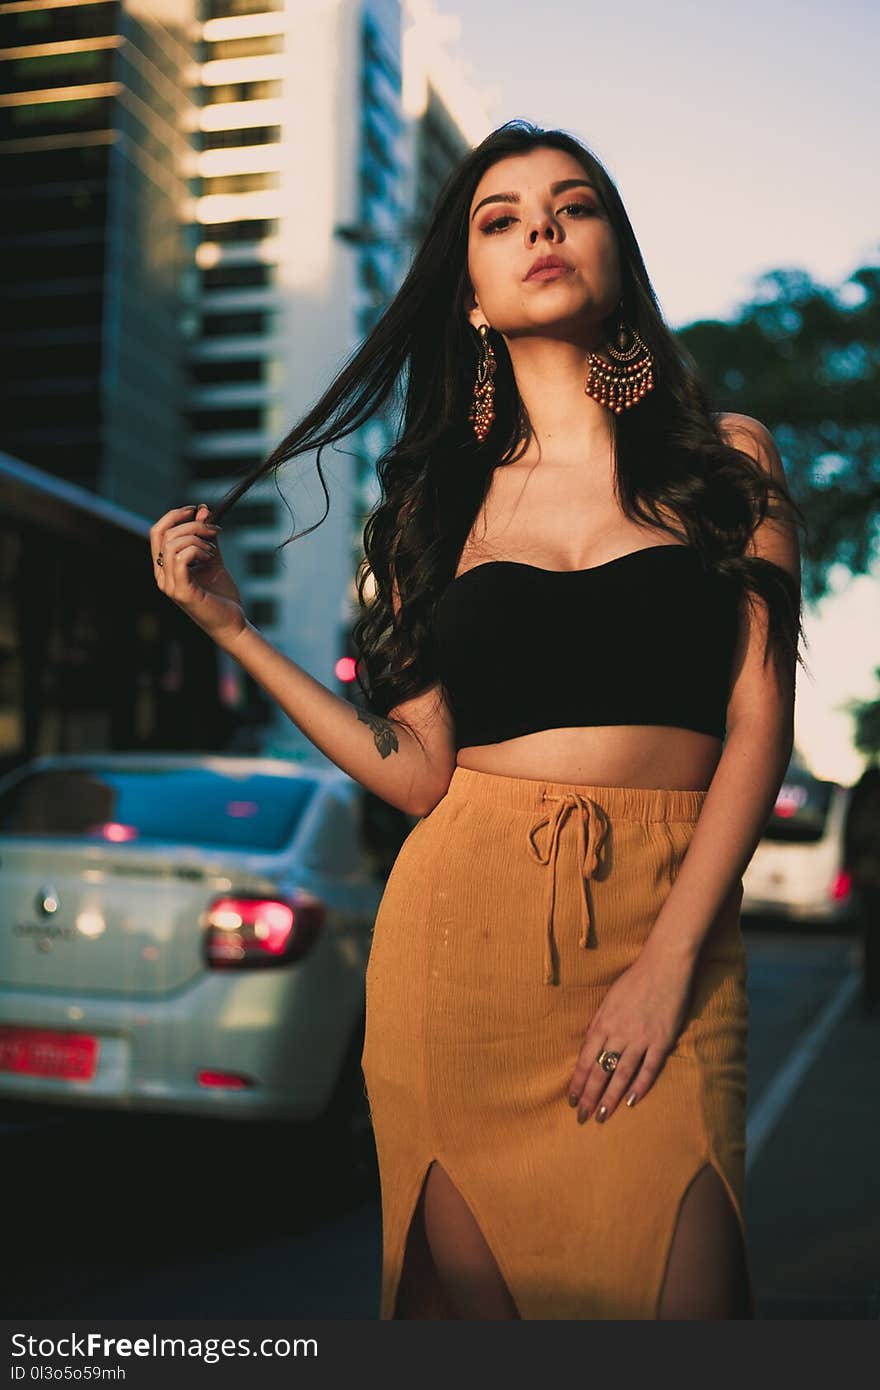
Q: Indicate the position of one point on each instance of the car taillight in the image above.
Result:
(223, 1080)
(254, 931)
(841, 885)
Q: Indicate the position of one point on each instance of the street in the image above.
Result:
(126, 1216)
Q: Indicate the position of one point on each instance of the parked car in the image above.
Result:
(798, 872)
(186, 933)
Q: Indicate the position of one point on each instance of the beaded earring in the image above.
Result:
(482, 411)
(624, 386)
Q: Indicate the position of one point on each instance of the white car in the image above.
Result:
(797, 873)
(184, 933)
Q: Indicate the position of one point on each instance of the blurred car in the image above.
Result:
(798, 872)
(186, 933)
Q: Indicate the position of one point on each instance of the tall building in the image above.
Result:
(315, 182)
(207, 204)
(94, 158)
(298, 127)
(446, 106)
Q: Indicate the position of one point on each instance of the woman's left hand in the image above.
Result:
(641, 1017)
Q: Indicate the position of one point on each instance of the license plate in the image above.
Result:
(44, 1052)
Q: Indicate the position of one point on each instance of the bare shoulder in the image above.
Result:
(757, 692)
(773, 539)
(754, 438)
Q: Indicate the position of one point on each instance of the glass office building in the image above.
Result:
(298, 229)
(206, 205)
(95, 155)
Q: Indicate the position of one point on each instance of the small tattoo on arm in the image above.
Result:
(383, 732)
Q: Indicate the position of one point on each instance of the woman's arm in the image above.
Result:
(735, 811)
(379, 753)
(756, 754)
(407, 764)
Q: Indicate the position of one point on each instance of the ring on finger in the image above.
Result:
(160, 560)
(608, 1060)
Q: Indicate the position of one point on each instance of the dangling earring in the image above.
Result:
(621, 387)
(482, 413)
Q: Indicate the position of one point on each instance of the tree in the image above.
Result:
(805, 360)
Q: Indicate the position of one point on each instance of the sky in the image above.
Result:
(742, 139)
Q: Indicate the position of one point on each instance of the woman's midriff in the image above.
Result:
(608, 755)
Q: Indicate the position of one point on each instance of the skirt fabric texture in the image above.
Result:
(509, 911)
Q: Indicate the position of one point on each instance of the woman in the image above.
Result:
(579, 575)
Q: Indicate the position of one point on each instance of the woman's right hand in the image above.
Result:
(192, 576)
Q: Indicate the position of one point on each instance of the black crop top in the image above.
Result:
(646, 638)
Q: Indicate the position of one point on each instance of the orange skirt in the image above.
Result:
(509, 911)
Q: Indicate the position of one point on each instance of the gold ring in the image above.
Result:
(608, 1060)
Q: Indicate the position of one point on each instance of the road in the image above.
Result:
(146, 1217)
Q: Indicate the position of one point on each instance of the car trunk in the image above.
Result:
(118, 920)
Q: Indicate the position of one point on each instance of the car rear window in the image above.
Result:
(149, 804)
(801, 811)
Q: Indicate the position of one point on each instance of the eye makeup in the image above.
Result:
(580, 209)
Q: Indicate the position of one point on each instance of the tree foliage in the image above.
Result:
(805, 361)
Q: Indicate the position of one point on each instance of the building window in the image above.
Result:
(248, 135)
(244, 229)
(225, 371)
(76, 22)
(256, 47)
(224, 466)
(56, 117)
(26, 20)
(241, 183)
(222, 9)
(254, 514)
(377, 55)
(56, 166)
(222, 421)
(38, 361)
(69, 208)
(264, 611)
(59, 70)
(261, 563)
(81, 406)
(71, 258)
(243, 91)
(60, 310)
(231, 325)
(227, 277)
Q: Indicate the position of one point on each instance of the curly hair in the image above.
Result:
(674, 467)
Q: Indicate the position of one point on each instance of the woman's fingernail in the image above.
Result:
(601, 1113)
(583, 1116)
(632, 1100)
(572, 1099)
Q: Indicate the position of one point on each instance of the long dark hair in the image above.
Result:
(669, 451)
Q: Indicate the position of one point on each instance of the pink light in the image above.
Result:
(242, 808)
(276, 919)
(228, 1080)
(346, 668)
(790, 799)
(841, 886)
(115, 831)
(230, 688)
(271, 922)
